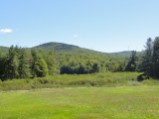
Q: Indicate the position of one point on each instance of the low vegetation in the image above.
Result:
(123, 102)
(99, 79)
(89, 80)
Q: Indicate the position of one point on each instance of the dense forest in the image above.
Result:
(56, 58)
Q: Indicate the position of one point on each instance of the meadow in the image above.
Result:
(94, 96)
(97, 80)
(123, 102)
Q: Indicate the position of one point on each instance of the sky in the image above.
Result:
(102, 25)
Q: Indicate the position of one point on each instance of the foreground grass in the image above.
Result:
(129, 102)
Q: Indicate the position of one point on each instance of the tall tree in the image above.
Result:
(131, 66)
(39, 67)
(147, 63)
(23, 69)
(12, 63)
(2, 67)
(155, 59)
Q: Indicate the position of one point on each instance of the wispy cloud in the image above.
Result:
(6, 30)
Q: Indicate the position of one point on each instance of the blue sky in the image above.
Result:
(103, 25)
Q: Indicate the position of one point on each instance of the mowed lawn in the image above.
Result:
(129, 102)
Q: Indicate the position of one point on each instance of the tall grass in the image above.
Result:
(99, 79)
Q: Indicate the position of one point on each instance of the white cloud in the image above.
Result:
(75, 36)
(6, 30)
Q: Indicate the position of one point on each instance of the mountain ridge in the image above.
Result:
(64, 47)
(68, 47)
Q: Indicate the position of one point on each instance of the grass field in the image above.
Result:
(123, 102)
(95, 80)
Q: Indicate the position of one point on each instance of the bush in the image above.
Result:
(98, 79)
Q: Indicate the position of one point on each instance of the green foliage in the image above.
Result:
(57, 47)
(65, 54)
(12, 63)
(155, 58)
(131, 66)
(24, 68)
(15, 64)
(39, 66)
(2, 67)
(150, 60)
(147, 58)
(51, 59)
(78, 68)
(98, 79)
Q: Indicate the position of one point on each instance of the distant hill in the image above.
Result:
(3, 49)
(67, 48)
(57, 46)
(126, 53)
(61, 54)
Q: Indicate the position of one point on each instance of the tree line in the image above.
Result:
(148, 60)
(19, 63)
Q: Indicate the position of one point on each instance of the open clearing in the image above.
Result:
(132, 102)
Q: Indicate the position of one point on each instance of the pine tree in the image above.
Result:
(131, 66)
(155, 59)
(12, 63)
(39, 67)
(23, 69)
(147, 63)
(2, 67)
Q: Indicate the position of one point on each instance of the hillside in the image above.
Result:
(57, 46)
(66, 48)
(62, 58)
(3, 49)
(125, 53)
(67, 54)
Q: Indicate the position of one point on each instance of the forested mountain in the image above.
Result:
(3, 49)
(65, 48)
(56, 58)
(62, 47)
(57, 46)
(126, 53)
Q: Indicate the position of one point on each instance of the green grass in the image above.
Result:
(98, 80)
(123, 102)
(92, 96)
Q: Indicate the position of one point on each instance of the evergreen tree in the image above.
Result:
(23, 69)
(131, 66)
(2, 67)
(147, 63)
(39, 67)
(95, 68)
(12, 63)
(52, 63)
(155, 59)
